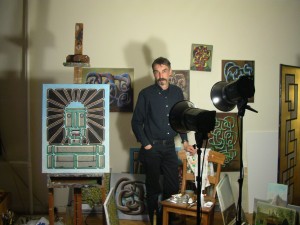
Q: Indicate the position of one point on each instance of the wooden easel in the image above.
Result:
(78, 60)
(76, 182)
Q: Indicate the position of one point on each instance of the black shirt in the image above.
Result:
(150, 119)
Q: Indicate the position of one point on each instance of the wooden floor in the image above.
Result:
(96, 219)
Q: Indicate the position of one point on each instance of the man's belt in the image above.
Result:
(163, 142)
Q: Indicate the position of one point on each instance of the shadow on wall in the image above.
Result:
(140, 57)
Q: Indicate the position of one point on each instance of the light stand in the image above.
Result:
(199, 137)
(225, 96)
(184, 117)
(242, 106)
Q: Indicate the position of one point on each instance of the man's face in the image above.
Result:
(161, 74)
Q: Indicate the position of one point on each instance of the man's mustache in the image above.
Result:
(161, 79)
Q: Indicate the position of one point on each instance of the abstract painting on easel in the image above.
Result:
(75, 128)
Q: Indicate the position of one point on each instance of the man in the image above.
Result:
(151, 126)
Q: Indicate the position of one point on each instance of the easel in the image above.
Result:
(78, 60)
(74, 181)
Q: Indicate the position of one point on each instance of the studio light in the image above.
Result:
(225, 96)
(184, 117)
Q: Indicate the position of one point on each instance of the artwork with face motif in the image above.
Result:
(75, 122)
(181, 78)
(201, 57)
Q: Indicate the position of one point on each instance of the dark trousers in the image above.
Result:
(161, 159)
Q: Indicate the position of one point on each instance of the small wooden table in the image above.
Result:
(182, 208)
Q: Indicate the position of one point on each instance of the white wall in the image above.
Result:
(132, 33)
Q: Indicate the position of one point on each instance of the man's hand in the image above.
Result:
(148, 147)
(189, 148)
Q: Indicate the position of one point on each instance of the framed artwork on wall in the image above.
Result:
(120, 81)
(201, 57)
(233, 69)
(181, 78)
(224, 139)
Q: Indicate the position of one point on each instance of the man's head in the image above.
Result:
(162, 71)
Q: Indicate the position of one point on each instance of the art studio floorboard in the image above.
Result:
(97, 219)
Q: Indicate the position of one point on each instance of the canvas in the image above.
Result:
(201, 57)
(277, 194)
(272, 214)
(233, 69)
(130, 195)
(297, 208)
(120, 81)
(256, 200)
(181, 78)
(75, 128)
(110, 209)
(224, 139)
(226, 200)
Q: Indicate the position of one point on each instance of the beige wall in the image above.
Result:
(130, 34)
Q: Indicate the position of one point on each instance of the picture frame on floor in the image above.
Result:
(226, 200)
(273, 214)
(110, 209)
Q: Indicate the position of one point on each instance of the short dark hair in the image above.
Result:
(161, 61)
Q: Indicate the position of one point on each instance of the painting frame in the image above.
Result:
(276, 214)
(75, 128)
(121, 82)
(277, 194)
(201, 57)
(226, 201)
(224, 139)
(110, 209)
(181, 78)
(130, 195)
(233, 69)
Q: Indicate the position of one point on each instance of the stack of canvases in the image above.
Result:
(275, 208)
